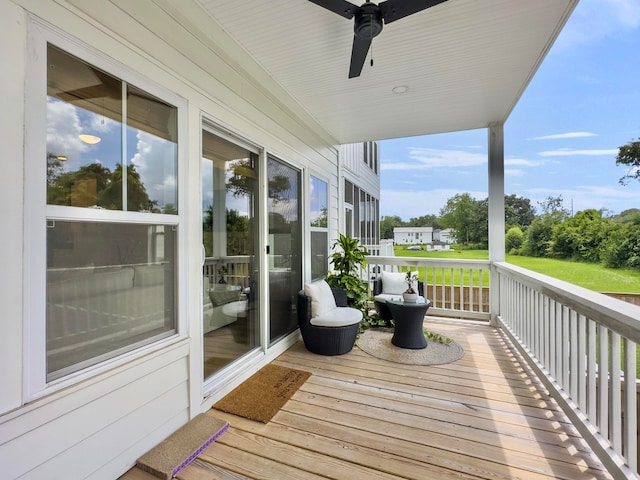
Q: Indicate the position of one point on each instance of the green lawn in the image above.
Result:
(588, 275)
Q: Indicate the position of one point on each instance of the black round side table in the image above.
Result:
(408, 318)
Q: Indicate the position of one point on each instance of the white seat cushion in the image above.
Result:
(338, 317)
(395, 298)
(383, 297)
(236, 309)
(322, 300)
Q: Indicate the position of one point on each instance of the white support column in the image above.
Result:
(219, 209)
(496, 211)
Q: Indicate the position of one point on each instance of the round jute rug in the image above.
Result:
(377, 342)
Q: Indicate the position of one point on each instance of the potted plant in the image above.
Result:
(347, 260)
(410, 295)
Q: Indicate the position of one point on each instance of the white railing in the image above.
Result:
(582, 344)
(234, 270)
(456, 288)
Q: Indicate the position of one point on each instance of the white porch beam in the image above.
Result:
(496, 212)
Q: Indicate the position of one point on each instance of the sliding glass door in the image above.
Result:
(285, 246)
(230, 239)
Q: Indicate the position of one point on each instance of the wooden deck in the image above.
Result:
(485, 416)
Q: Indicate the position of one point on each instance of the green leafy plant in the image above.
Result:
(348, 259)
(374, 320)
(436, 337)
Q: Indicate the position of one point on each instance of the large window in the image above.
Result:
(111, 217)
(318, 220)
(361, 214)
(371, 155)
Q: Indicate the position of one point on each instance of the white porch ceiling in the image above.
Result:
(465, 62)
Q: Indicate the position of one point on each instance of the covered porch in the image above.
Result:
(539, 393)
(541, 385)
(486, 416)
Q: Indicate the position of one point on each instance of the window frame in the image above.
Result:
(37, 212)
(315, 229)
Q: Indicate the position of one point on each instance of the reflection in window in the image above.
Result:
(98, 128)
(319, 201)
(110, 289)
(284, 210)
(318, 220)
(230, 316)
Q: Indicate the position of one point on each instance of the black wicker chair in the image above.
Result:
(381, 307)
(325, 340)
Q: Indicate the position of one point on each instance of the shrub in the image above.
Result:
(622, 247)
(513, 240)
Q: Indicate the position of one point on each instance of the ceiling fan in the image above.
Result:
(369, 19)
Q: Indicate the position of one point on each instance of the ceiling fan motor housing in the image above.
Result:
(368, 21)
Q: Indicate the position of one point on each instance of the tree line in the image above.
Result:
(589, 235)
(467, 217)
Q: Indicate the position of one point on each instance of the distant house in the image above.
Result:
(442, 239)
(412, 235)
(444, 235)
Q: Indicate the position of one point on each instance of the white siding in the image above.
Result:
(90, 428)
(354, 169)
(357, 171)
(97, 427)
(12, 62)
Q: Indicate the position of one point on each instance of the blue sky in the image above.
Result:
(561, 139)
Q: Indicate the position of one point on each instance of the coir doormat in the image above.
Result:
(264, 393)
(182, 447)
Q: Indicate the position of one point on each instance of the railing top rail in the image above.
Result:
(229, 259)
(428, 262)
(617, 315)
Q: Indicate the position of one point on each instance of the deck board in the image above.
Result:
(486, 416)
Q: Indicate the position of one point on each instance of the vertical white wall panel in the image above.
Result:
(12, 63)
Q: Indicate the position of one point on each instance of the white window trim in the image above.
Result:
(37, 211)
(307, 274)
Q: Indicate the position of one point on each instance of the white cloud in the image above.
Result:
(521, 162)
(102, 124)
(155, 160)
(566, 135)
(568, 152)
(428, 158)
(514, 172)
(63, 130)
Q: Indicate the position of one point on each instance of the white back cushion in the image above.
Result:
(322, 300)
(393, 283)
